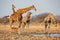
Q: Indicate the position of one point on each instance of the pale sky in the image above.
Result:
(42, 6)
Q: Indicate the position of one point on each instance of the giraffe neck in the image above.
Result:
(13, 10)
(27, 9)
(24, 10)
(28, 16)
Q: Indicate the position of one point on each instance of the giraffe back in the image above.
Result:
(15, 16)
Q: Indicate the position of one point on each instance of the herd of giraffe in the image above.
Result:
(24, 21)
(17, 16)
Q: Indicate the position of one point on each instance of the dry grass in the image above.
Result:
(25, 34)
(4, 35)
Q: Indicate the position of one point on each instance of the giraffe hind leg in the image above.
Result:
(11, 25)
(19, 24)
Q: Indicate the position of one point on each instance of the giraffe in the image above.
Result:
(13, 8)
(26, 20)
(50, 19)
(17, 16)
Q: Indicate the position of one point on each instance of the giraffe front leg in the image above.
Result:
(23, 25)
(18, 23)
(11, 26)
(10, 23)
(27, 25)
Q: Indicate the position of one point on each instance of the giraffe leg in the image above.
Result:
(19, 24)
(28, 22)
(27, 25)
(46, 25)
(10, 23)
(11, 26)
(55, 25)
(49, 25)
(23, 25)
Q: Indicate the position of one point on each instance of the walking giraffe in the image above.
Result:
(26, 20)
(17, 16)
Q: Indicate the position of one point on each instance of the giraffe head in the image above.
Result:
(29, 13)
(33, 7)
(13, 6)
